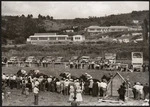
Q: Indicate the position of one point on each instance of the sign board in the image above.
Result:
(111, 57)
(137, 59)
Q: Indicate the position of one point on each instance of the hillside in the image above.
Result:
(19, 28)
(123, 50)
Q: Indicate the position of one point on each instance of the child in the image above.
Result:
(74, 102)
(27, 92)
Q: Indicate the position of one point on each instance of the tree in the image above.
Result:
(39, 16)
(48, 17)
(51, 17)
(145, 31)
(19, 40)
(22, 16)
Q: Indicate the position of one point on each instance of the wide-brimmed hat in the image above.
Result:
(137, 83)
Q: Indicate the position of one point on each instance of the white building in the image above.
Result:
(69, 31)
(104, 29)
(46, 38)
(78, 38)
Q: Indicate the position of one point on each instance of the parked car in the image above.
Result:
(49, 59)
(4, 60)
(13, 60)
(59, 60)
(85, 59)
(30, 59)
(22, 59)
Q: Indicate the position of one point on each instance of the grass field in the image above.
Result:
(142, 77)
(54, 99)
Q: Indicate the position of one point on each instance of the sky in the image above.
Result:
(71, 10)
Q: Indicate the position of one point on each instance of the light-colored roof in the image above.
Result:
(45, 34)
(108, 27)
(77, 35)
(49, 36)
(119, 27)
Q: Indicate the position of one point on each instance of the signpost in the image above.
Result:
(137, 60)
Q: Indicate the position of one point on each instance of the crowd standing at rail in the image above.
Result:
(74, 87)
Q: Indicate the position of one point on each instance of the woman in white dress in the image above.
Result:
(71, 91)
(79, 95)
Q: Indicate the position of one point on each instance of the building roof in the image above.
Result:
(107, 27)
(77, 35)
(119, 27)
(93, 26)
(45, 34)
(119, 76)
(49, 36)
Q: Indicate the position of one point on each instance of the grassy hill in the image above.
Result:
(65, 50)
(19, 28)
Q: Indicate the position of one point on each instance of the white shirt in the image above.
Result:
(103, 85)
(66, 83)
(36, 83)
(77, 84)
(141, 89)
(4, 77)
(14, 77)
(49, 79)
(91, 84)
(7, 77)
(137, 87)
(58, 83)
(35, 90)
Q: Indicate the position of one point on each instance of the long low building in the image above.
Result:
(46, 38)
(105, 29)
(38, 38)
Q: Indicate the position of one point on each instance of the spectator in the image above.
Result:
(36, 95)
(103, 88)
(71, 91)
(95, 89)
(27, 91)
(134, 91)
(146, 90)
(122, 91)
(79, 95)
(74, 102)
(90, 87)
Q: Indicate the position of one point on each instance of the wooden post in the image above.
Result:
(127, 86)
(111, 88)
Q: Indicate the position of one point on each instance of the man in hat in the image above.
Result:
(137, 87)
(49, 80)
(66, 84)
(122, 91)
(146, 90)
(103, 87)
(91, 86)
(36, 95)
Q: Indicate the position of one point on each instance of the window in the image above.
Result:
(91, 29)
(61, 38)
(77, 38)
(52, 38)
(34, 38)
(99, 29)
(43, 38)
